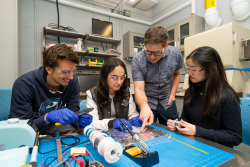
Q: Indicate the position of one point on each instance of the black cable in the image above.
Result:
(58, 19)
(115, 7)
(48, 158)
(76, 142)
(65, 145)
(102, 46)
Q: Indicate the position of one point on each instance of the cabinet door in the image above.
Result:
(172, 35)
(184, 29)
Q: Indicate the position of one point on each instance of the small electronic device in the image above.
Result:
(101, 27)
(144, 157)
(177, 123)
(87, 110)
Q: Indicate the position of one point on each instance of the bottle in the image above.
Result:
(79, 44)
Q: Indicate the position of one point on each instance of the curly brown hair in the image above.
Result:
(156, 34)
(58, 52)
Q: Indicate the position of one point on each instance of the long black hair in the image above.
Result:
(102, 85)
(216, 82)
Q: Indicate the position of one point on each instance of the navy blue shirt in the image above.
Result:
(157, 76)
(32, 98)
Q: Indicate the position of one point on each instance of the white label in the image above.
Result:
(2, 147)
(136, 50)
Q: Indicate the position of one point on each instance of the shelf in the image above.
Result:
(138, 47)
(89, 66)
(100, 38)
(76, 51)
(98, 54)
(56, 32)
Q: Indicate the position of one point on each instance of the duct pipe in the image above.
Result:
(240, 9)
(72, 4)
(211, 15)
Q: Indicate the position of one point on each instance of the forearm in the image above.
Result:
(224, 137)
(175, 82)
(140, 98)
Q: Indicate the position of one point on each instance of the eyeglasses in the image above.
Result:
(156, 53)
(115, 77)
(65, 72)
(193, 69)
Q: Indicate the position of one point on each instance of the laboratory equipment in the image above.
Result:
(147, 158)
(133, 43)
(15, 133)
(17, 137)
(228, 41)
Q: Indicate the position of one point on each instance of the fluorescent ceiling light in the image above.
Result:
(132, 0)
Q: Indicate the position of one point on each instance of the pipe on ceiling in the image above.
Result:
(72, 4)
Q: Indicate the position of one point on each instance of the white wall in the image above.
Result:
(8, 43)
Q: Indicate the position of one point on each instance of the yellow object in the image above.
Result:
(92, 62)
(90, 49)
(134, 151)
(78, 151)
(58, 124)
(209, 3)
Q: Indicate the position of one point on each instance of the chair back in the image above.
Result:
(83, 105)
(5, 100)
(245, 118)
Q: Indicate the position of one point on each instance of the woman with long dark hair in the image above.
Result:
(211, 108)
(111, 98)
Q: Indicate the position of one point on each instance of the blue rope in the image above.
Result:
(238, 69)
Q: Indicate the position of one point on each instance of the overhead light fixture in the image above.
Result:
(131, 2)
(142, 4)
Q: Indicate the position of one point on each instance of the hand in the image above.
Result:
(189, 129)
(85, 120)
(135, 121)
(170, 124)
(64, 116)
(147, 116)
(171, 98)
(118, 125)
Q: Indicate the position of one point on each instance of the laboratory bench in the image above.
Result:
(180, 150)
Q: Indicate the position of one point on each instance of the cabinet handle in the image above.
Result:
(178, 43)
(175, 43)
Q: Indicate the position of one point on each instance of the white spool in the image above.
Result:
(106, 146)
(110, 149)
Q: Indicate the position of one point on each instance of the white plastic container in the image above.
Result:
(79, 44)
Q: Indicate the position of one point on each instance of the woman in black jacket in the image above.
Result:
(211, 108)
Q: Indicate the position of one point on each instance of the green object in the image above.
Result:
(100, 62)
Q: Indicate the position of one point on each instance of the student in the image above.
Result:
(211, 107)
(156, 75)
(111, 98)
(50, 93)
